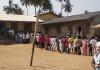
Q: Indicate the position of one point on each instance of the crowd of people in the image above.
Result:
(17, 36)
(67, 44)
(22, 37)
(71, 45)
(64, 44)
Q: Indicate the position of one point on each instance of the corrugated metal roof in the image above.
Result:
(10, 17)
(73, 18)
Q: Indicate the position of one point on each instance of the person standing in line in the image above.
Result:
(41, 41)
(37, 39)
(64, 44)
(57, 38)
(79, 45)
(67, 44)
(27, 37)
(23, 37)
(54, 43)
(47, 42)
(96, 58)
(75, 45)
(70, 41)
(85, 44)
(51, 43)
(60, 45)
(93, 45)
(10, 33)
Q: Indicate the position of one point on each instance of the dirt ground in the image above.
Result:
(17, 57)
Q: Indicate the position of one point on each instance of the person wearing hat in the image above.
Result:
(96, 58)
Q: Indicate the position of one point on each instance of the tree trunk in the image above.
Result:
(33, 45)
(61, 7)
(27, 10)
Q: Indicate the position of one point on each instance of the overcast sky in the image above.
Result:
(79, 6)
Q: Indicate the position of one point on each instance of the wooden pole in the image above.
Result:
(33, 45)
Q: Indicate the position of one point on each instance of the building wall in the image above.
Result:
(17, 26)
(97, 19)
(47, 17)
(8, 24)
(20, 26)
(72, 27)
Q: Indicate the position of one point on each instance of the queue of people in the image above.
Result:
(67, 44)
(70, 45)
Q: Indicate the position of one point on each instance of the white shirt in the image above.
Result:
(75, 42)
(93, 42)
(60, 43)
(23, 36)
(51, 40)
(27, 36)
(37, 38)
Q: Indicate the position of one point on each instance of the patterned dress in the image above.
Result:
(85, 46)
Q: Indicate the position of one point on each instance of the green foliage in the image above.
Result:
(12, 8)
(44, 5)
(67, 6)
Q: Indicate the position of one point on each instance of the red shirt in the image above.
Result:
(47, 40)
(41, 39)
(64, 41)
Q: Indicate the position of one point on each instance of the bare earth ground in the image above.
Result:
(17, 57)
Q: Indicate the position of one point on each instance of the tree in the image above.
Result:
(67, 6)
(61, 1)
(26, 3)
(46, 5)
(43, 5)
(12, 8)
(9, 9)
(17, 9)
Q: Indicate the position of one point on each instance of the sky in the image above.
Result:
(79, 6)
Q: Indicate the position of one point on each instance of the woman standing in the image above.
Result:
(85, 45)
(41, 41)
(60, 45)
